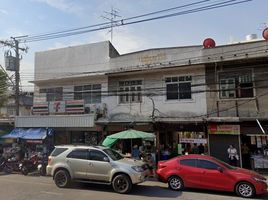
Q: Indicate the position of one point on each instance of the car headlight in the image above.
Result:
(137, 168)
(259, 179)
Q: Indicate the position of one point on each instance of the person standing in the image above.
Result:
(232, 155)
(245, 156)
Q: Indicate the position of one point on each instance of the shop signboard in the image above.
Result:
(40, 108)
(224, 129)
(57, 107)
(193, 140)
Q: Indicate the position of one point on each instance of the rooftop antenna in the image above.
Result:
(111, 16)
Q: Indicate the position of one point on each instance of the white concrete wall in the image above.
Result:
(60, 63)
(172, 108)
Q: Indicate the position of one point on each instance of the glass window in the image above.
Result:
(54, 94)
(172, 91)
(57, 151)
(89, 93)
(96, 155)
(185, 90)
(130, 91)
(205, 164)
(236, 85)
(188, 162)
(78, 154)
(113, 154)
(178, 87)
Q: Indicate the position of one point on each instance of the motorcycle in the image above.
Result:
(3, 165)
(42, 165)
(29, 165)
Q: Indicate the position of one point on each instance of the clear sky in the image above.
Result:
(28, 17)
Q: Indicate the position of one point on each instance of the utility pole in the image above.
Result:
(111, 18)
(14, 43)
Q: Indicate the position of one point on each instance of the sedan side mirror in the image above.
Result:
(106, 159)
(220, 169)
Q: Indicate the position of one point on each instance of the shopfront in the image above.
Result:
(254, 146)
(220, 136)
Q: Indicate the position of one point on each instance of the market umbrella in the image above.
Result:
(127, 134)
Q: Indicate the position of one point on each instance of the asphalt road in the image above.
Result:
(19, 187)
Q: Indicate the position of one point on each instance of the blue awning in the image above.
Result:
(29, 133)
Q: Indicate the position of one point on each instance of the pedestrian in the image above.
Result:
(135, 152)
(245, 156)
(232, 155)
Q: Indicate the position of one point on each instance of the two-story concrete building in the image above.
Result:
(185, 95)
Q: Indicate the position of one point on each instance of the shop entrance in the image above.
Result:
(218, 145)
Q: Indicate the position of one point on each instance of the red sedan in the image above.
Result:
(206, 172)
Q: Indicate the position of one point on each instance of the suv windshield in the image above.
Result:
(113, 154)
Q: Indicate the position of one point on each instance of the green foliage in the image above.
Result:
(3, 87)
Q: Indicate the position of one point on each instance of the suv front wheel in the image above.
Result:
(122, 184)
(62, 178)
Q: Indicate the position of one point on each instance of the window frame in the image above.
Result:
(236, 90)
(95, 150)
(184, 159)
(199, 160)
(74, 150)
(178, 79)
(126, 91)
(55, 92)
(90, 96)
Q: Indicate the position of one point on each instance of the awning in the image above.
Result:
(109, 142)
(29, 133)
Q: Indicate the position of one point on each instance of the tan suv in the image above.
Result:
(95, 164)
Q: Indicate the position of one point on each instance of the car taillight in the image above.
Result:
(162, 166)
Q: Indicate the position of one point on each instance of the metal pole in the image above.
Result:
(17, 78)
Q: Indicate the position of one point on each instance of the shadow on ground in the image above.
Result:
(137, 190)
(219, 193)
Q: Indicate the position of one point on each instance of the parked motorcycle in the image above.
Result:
(29, 165)
(42, 165)
(3, 165)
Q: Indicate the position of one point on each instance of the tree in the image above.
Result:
(3, 87)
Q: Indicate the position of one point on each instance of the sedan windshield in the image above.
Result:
(113, 154)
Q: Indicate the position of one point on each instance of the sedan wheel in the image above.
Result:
(175, 183)
(245, 189)
(122, 184)
(62, 178)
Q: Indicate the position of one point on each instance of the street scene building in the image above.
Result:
(207, 96)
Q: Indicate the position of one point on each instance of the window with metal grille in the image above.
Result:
(130, 91)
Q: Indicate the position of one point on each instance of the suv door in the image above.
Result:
(99, 166)
(78, 162)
